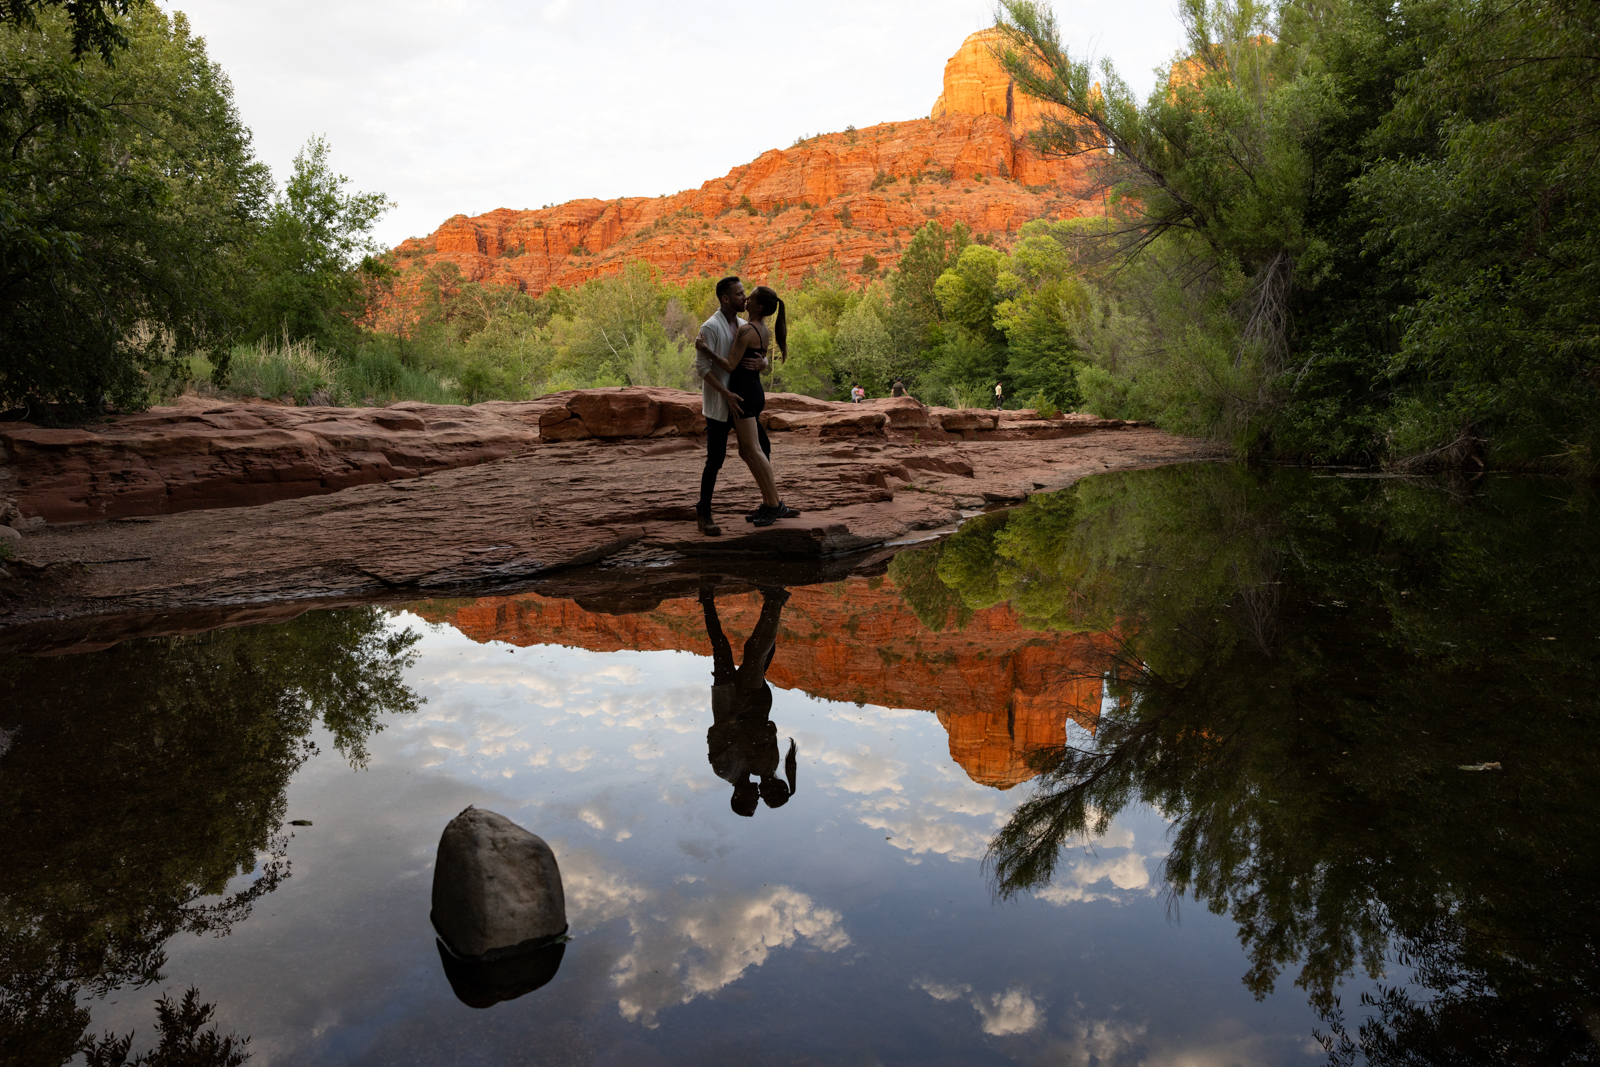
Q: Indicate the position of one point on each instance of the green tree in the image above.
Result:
(128, 197)
(314, 255)
(862, 349)
(1301, 660)
(1495, 225)
(135, 791)
(95, 23)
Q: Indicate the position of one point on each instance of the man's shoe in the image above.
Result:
(766, 516)
(702, 519)
(784, 511)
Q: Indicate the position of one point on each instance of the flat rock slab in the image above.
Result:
(541, 509)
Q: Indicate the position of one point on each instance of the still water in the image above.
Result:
(1204, 765)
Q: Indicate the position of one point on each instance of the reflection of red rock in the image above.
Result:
(1001, 691)
(833, 199)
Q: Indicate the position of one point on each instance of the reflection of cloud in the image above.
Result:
(1126, 872)
(649, 748)
(919, 834)
(1010, 1012)
(594, 895)
(941, 992)
(576, 761)
(865, 771)
(1102, 1042)
(702, 944)
(685, 947)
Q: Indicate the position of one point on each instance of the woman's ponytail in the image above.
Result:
(780, 329)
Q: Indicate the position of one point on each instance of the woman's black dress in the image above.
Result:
(746, 385)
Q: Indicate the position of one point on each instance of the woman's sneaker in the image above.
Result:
(766, 516)
(783, 511)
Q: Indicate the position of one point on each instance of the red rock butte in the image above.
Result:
(1001, 691)
(831, 199)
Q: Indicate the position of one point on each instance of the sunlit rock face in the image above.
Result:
(830, 200)
(974, 84)
(1000, 690)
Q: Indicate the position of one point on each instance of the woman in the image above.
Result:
(752, 339)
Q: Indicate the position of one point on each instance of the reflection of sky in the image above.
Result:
(855, 923)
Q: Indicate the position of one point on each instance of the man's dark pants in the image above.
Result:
(717, 451)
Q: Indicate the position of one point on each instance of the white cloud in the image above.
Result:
(920, 834)
(865, 771)
(412, 101)
(576, 761)
(1011, 1011)
(939, 991)
(702, 944)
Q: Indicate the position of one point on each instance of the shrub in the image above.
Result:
(289, 368)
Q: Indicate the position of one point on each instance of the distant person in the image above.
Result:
(857, 394)
(713, 344)
(898, 388)
(742, 744)
(999, 396)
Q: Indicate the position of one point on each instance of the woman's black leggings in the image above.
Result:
(717, 451)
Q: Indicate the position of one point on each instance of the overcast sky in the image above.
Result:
(468, 105)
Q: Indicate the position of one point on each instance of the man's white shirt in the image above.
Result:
(718, 333)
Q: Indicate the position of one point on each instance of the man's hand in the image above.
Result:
(759, 364)
(733, 404)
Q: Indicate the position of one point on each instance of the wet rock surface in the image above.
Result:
(540, 508)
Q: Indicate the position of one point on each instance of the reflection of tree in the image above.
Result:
(139, 781)
(1308, 664)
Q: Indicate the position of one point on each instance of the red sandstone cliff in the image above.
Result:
(999, 690)
(836, 197)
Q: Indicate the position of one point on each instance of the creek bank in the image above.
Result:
(622, 491)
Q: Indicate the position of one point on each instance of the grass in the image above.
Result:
(296, 369)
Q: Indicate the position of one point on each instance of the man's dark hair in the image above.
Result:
(725, 284)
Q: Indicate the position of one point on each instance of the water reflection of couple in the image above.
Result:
(730, 355)
(743, 742)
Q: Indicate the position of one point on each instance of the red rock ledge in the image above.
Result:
(253, 503)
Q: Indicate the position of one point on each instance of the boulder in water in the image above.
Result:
(496, 889)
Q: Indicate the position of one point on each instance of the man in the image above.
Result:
(717, 401)
(743, 741)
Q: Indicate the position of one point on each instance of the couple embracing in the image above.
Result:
(730, 355)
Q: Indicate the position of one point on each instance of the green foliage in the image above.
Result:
(135, 793)
(862, 350)
(313, 256)
(1345, 229)
(1299, 659)
(183, 1043)
(127, 200)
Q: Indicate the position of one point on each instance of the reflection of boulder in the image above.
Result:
(499, 908)
(485, 983)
